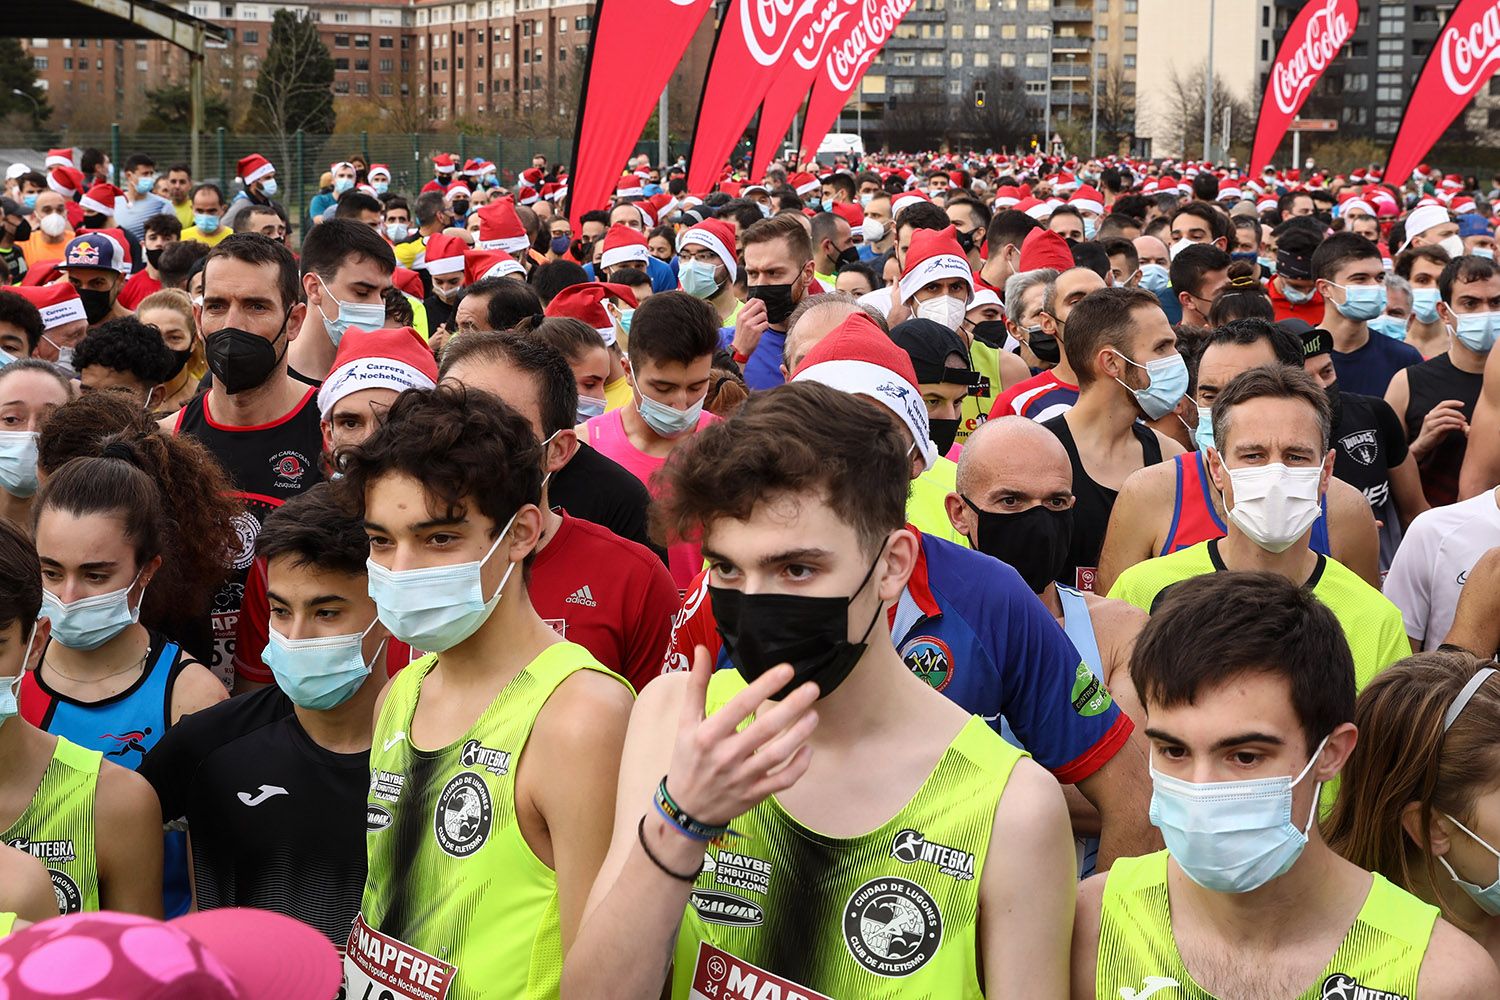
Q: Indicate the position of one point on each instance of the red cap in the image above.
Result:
(585, 302)
(1044, 248)
(850, 212)
(253, 167)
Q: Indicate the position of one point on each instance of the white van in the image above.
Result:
(837, 145)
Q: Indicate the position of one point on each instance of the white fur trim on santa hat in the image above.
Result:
(943, 265)
(510, 244)
(95, 206)
(704, 238)
(904, 201)
(443, 265)
(504, 268)
(1087, 205)
(864, 378)
(619, 255)
(369, 373)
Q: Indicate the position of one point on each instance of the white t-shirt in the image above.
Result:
(1433, 562)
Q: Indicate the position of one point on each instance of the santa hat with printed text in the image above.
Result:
(58, 158)
(253, 167)
(858, 357)
(714, 234)
(934, 255)
(444, 254)
(585, 302)
(481, 264)
(377, 359)
(58, 303)
(623, 244)
(500, 227)
(101, 198)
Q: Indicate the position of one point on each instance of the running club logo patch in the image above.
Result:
(1342, 986)
(463, 816)
(61, 852)
(930, 659)
(1089, 697)
(892, 926)
(69, 898)
(911, 846)
(288, 467)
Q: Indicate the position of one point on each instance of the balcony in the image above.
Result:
(1062, 12)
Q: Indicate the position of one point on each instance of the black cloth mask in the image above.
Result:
(1034, 542)
(96, 304)
(1044, 346)
(778, 300)
(990, 332)
(942, 432)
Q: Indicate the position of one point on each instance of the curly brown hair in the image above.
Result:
(187, 516)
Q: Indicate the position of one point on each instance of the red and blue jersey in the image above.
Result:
(1041, 397)
(1195, 518)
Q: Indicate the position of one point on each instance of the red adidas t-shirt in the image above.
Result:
(138, 287)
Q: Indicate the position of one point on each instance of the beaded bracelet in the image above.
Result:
(685, 824)
(640, 832)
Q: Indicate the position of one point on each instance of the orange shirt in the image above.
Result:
(37, 250)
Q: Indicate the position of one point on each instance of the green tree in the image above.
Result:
(294, 89)
(169, 109)
(18, 72)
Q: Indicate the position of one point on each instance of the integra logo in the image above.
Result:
(496, 762)
(910, 846)
(1342, 986)
(726, 908)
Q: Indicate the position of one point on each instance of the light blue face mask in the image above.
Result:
(1155, 278)
(90, 622)
(1484, 252)
(1231, 836)
(1486, 897)
(697, 278)
(1169, 383)
(1267, 264)
(381, 187)
(320, 673)
(342, 184)
(1361, 302)
(1424, 303)
(668, 421)
(397, 231)
(1476, 331)
(1203, 434)
(29, 201)
(143, 185)
(269, 187)
(436, 608)
(627, 316)
(10, 687)
(589, 407)
(364, 315)
(1298, 296)
(206, 224)
(1389, 326)
(18, 463)
(1090, 227)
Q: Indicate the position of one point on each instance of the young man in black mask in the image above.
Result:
(779, 274)
(259, 420)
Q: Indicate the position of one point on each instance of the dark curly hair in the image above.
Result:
(187, 516)
(465, 446)
(128, 345)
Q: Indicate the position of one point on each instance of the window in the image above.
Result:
(341, 63)
(362, 88)
(363, 65)
(83, 86)
(1101, 32)
(387, 42)
(361, 41)
(1008, 32)
(1388, 94)
(1130, 33)
(252, 37)
(507, 34)
(1132, 6)
(1102, 7)
(525, 29)
(460, 91)
(537, 57)
(68, 64)
(1356, 83)
(905, 59)
(981, 32)
(385, 90)
(580, 24)
(932, 59)
(40, 62)
(1101, 60)
(901, 87)
(99, 64)
(1037, 31)
(981, 6)
(1036, 60)
(387, 65)
(251, 61)
(955, 60)
(1008, 59)
(958, 32)
(1040, 6)
(981, 60)
(505, 60)
(1036, 86)
(1356, 115)
(1129, 61)
(459, 61)
(341, 41)
(562, 26)
(341, 86)
(526, 56)
(341, 17)
(562, 53)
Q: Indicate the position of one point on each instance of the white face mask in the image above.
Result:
(1453, 244)
(54, 225)
(1274, 504)
(945, 309)
(1180, 246)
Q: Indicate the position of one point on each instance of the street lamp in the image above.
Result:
(36, 107)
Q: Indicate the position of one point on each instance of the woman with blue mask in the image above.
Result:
(1420, 802)
(29, 391)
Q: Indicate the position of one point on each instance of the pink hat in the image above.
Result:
(58, 303)
(1044, 248)
(213, 955)
(500, 228)
(621, 244)
(481, 264)
(585, 302)
(716, 236)
(101, 198)
(444, 254)
(253, 167)
(934, 254)
(377, 359)
(858, 357)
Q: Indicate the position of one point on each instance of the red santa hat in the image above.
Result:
(66, 181)
(481, 264)
(500, 228)
(1007, 196)
(253, 167)
(850, 212)
(408, 281)
(457, 189)
(58, 303)
(377, 359)
(101, 198)
(804, 183)
(473, 166)
(444, 254)
(716, 236)
(858, 357)
(1044, 248)
(1266, 204)
(1229, 192)
(1087, 199)
(934, 255)
(443, 163)
(629, 187)
(1356, 205)
(1463, 205)
(58, 158)
(379, 170)
(622, 244)
(905, 200)
(585, 302)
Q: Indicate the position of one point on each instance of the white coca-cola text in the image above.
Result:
(1467, 56)
(878, 20)
(1327, 31)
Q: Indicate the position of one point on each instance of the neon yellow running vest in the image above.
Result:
(456, 906)
(58, 826)
(1138, 955)
(7, 924)
(784, 911)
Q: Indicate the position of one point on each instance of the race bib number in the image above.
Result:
(379, 967)
(718, 975)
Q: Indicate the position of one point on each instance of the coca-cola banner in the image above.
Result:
(754, 43)
(1312, 41)
(1463, 58)
(794, 79)
(635, 47)
(850, 52)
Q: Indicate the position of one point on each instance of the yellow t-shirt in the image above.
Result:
(926, 505)
(184, 213)
(617, 393)
(196, 235)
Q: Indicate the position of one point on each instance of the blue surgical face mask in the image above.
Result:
(30, 202)
(1486, 897)
(1424, 303)
(342, 184)
(1231, 836)
(589, 407)
(865, 199)
(1298, 296)
(18, 463)
(1169, 383)
(365, 315)
(1361, 302)
(627, 316)
(1155, 278)
(381, 187)
(697, 278)
(90, 622)
(1389, 326)
(1203, 434)
(268, 186)
(10, 687)
(143, 185)
(1476, 331)
(436, 608)
(206, 223)
(1090, 227)
(397, 231)
(1267, 264)
(668, 421)
(1484, 252)
(319, 673)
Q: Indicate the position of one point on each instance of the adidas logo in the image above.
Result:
(583, 595)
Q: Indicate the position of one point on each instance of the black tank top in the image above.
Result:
(1092, 509)
(268, 464)
(1428, 384)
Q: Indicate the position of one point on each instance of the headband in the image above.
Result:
(1465, 696)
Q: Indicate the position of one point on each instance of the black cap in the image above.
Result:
(1315, 340)
(929, 344)
(1293, 266)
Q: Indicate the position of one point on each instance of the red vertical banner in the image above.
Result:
(851, 50)
(634, 49)
(1312, 42)
(1463, 58)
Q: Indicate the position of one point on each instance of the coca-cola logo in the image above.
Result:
(1326, 32)
(813, 39)
(852, 54)
(768, 25)
(1467, 58)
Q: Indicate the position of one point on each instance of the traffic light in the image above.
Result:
(978, 97)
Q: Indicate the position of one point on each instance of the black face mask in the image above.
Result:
(180, 361)
(240, 360)
(96, 304)
(92, 220)
(990, 332)
(460, 207)
(1336, 404)
(762, 631)
(1034, 542)
(583, 249)
(153, 257)
(848, 255)
(1045, 346)
(942, 433)
(22, 232)
(778, 300)
(966, 241)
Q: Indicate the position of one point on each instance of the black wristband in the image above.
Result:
(640, 831)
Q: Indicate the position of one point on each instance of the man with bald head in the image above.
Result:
(1156, 274)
